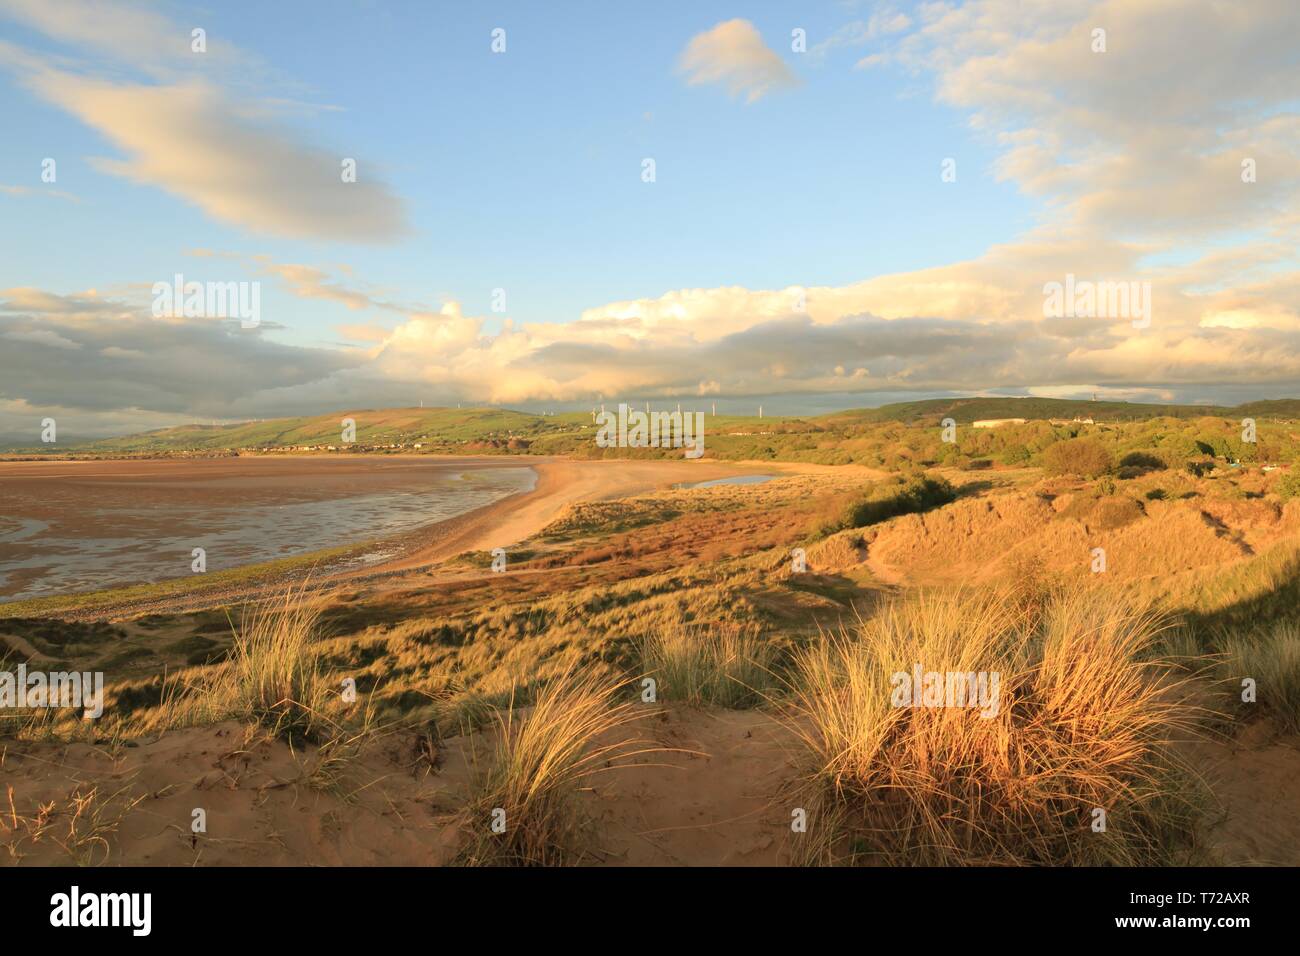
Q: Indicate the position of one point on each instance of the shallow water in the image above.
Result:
(734, 480)
(59, 537)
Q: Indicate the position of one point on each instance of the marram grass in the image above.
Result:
(1085, 722)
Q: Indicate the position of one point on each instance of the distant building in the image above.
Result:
(998, 422)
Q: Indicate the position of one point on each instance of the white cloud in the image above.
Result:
(187, 131)
(193, 142)
(733, 53)
(23, 192)
(885, 21)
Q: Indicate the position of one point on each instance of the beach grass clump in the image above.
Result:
(1066, 757)
(1269, 659)
(705, 665)
(274, 676)
(523, 810)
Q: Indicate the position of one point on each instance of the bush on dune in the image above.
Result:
(1145, 460)
(1288, 486)
(1082, 457)
(889, 499)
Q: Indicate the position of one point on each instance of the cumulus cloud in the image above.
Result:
(733, 54)
(102, 357)
(1146, 138)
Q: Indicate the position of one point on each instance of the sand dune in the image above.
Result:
(713, 797)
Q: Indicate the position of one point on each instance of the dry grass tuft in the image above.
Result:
(81, 825)
(1083, 720)
(1271, 658)
(540, 757)
(726, 666)
(274, 676)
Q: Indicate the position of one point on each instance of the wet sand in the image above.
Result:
(560, 482)
(503, 523)
(72, 526)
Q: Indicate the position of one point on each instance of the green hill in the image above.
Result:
(373, 427)
(967, 410)
(489, 429)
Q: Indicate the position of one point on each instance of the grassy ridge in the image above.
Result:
(967, 410)
(481, 429)
(377, 426)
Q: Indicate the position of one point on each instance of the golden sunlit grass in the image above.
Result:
(275, 680)
(1271, 658)
(1082, 722)
(528, 671)
(700, 665)
(274, 675)
(539, 758)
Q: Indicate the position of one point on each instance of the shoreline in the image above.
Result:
(502, 523)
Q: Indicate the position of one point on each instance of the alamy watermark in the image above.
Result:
(921, 688)
(26, 688)
(211, 300)
(130, 910)
(1083, 298)
(633, 429)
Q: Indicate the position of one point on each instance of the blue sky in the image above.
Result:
(798, 242)
(522, 170)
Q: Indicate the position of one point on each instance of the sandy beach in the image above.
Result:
(502, 523)
(560, 482)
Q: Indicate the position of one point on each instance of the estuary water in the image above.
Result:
(76, 526)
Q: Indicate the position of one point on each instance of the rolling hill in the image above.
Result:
(489, 428)
(967, 410)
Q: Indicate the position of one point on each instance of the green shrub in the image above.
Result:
(889, 499)
(1015, 455)
(1142, 459)
(1084, 457)
(1289, 486)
